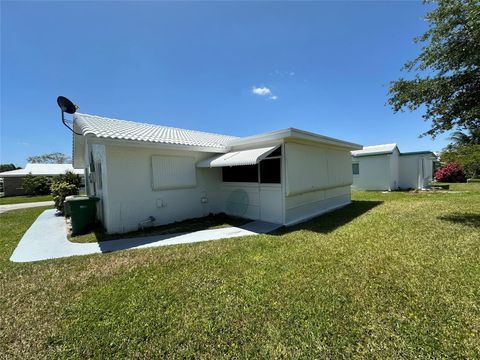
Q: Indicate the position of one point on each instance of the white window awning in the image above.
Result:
(238, 158)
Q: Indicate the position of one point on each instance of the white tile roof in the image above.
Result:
(375, 150)
(42, 169)
(107, 128)
(237, 158)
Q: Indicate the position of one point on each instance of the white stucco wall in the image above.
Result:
(394, 168)
(415, 171)
(314, 179)
(318, 180)
(375, 173)
(131, 198)
(253, 201)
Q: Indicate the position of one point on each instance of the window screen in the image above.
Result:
(270, 171)
(173, 172)
(356, 169)
(277, 152)
(246, 173)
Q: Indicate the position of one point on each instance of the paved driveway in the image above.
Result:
(47, 239)
(10, 207)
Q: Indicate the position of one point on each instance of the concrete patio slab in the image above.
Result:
(47, 239)
(10, 207)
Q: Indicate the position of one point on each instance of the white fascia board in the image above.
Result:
(294, 134)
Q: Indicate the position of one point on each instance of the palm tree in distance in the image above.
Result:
(470, 137)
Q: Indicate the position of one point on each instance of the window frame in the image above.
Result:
(358, 168)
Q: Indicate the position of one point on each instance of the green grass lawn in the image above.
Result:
(24, 199)
(393, 275)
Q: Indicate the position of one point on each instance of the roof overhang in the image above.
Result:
(238, 158)
(412, 153)
(378, 153)
(292, 133)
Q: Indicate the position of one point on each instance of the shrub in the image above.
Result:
(70, 178)
(64, 185)
(36, 185)
(450, 173)
(60, 190)
(467, 156)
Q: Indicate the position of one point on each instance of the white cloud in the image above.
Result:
(273, 97)
(262, 91)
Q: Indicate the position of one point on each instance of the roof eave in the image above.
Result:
(292, 133)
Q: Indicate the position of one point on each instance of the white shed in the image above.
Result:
(384, 167)
(140, 170)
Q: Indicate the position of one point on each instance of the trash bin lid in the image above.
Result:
(79, 198)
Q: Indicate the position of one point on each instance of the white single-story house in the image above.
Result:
(143, 170)
(13, 179)
(384, 167)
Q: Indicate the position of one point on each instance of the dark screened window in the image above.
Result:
(246, 173)
(270, 171)
(277, 152)
(356, 169)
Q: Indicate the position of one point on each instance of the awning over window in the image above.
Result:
(238, 158)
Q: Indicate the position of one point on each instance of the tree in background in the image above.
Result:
(459, 138)
(8, 167)
(447, 79)
(53, 158)
(467, 156)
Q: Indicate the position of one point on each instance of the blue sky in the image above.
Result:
(225, 67)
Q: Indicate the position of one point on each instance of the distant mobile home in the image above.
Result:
(142, 170)
(384, 167)
(13, 179)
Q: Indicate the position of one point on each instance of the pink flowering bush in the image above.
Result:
(451, 172)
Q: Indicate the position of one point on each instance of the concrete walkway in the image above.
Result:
(10, 207)
(47, 239)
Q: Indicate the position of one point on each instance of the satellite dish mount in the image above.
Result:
(66, 106)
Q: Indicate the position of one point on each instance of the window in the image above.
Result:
(276, 152)
(356, 169)
(173, 172)
(270, 171)
(246, 173)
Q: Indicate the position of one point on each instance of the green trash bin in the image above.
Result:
(83, 212)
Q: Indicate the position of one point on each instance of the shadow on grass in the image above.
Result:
(329, 222)
(468, 219)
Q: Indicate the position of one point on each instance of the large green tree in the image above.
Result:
(52, 158)
(447, 70)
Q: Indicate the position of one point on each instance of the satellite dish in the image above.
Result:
(67, 107)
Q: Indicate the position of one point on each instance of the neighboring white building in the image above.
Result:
(140, 170)
(384, 167)
(13, 179)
